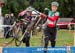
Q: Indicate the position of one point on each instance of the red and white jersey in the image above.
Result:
(52, 18)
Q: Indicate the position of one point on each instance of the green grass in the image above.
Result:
(63, 37)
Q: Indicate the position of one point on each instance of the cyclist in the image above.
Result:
(50, 26)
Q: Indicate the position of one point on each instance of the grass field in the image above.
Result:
(64, 37)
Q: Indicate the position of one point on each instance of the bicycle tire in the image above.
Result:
(17, 37)
(17, 42)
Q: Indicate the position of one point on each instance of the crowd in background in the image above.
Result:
(8, 20)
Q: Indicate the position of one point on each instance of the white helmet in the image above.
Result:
(55, 4)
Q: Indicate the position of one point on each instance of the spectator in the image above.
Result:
(7, 21)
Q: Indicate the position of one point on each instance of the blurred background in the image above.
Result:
(66, 8)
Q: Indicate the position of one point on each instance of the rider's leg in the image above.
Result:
(53, 36)
(27, 41)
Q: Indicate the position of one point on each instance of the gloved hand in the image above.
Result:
(43, 15)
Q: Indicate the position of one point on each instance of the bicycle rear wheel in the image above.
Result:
(17, 36)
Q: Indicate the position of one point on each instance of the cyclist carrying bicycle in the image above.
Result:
(50, 26)
(26, 20)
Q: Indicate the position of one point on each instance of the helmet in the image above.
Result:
(55, 4)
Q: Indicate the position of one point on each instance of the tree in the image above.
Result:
(66, 7)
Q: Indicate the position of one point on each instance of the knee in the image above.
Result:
(46, 39)
(52, 41)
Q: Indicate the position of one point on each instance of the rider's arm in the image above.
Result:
(55, 17)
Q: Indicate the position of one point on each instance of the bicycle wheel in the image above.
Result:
(17, 42)
(17, 36)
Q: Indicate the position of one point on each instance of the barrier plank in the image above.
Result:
(34, 50)
(72, 49)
